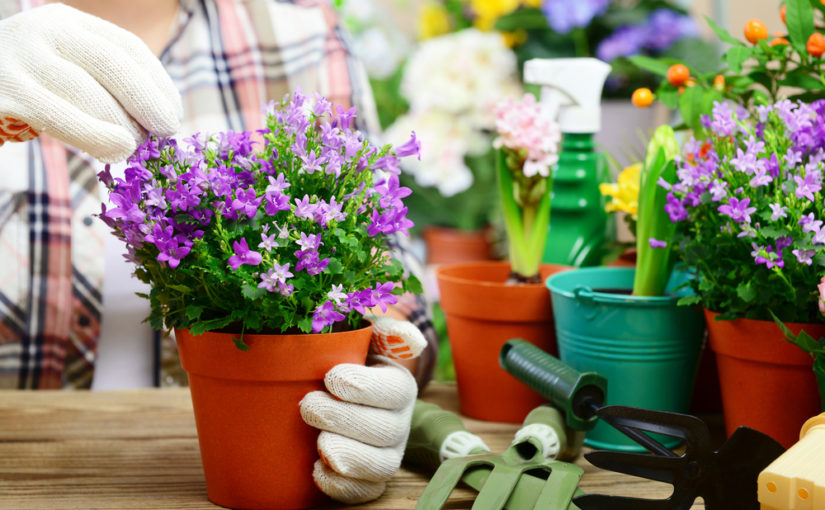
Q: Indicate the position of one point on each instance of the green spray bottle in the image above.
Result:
(571, 88)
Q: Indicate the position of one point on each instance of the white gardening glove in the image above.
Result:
(365, 417)
(84, 81)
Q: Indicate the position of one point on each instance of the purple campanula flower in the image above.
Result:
(388, 163)
(410, 148)
(283, 231)
(723, 123)
(805, 188)
(382, 295)
(718, 190)
(738, 210)
(277, 185)
(564, 15)
(666, 26)
(174, 250)
(275, 203)
(809, 223)
(675, 208)
(325, 315)
(309, 242)
(329, 212)
(766, 255)
(243, 255)
(391, 192)
(772, 166)
(277, 275)
(322, 106)
(625, 41)
(105, 176)
(784, 242)
(804, 256)
(778, 211)
(819, 236)
(353, 145)
(655, 243)
(268, 242)
(760, 177)
(390, 222)
(247, 202)
(337, 295)
(311, 163)
(304, 209)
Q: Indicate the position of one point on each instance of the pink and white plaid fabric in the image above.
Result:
(227, 57)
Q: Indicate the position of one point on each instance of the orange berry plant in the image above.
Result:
(756, 72)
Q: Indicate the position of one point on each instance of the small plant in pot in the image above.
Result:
(264, 257)
(488, 303)
(749, 211)
(624, 323)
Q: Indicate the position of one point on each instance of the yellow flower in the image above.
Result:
(532, 3)
(489, 11)
(432, 21)
(625, 193)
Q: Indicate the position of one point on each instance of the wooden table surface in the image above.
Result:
(138, 449)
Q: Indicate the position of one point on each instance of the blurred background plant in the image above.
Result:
(608, 30)
(758, 71)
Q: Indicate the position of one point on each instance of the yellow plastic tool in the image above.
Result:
(796, 480)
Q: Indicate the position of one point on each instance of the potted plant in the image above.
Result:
(624, 323)
(452, 84)
(263, 256)
(487, 303)
(749, 210)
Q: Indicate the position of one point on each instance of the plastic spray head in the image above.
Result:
(572, 89)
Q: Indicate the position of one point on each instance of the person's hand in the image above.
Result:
(365, 417)
(84, 81)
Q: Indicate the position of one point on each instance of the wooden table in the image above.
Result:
(138, 450)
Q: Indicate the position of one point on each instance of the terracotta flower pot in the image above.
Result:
(767, 383)
(482, 314)
(257, 452)
(450, 245)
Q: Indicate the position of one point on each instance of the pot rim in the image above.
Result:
(587, 293)
(443, 273)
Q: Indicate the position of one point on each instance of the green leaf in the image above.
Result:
(669, 97)
(723, 34)
(689, 300)
(202, 326)
(305, 324)
(240, 344)
(746, 292)
(690, 106)
(183, 289)
(800, 78)
(799, 18)
(653, 65)
(413, 284)
(524, 19)
(252, 292)
(737, 56)
(804, 341)
(193, 312)
(819, 259)
(335, 267)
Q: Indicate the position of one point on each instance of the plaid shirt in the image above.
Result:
(227, 58)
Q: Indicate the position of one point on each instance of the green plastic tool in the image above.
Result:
(521, 478)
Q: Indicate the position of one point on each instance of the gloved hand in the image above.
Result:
(365, 417)
(83, 80)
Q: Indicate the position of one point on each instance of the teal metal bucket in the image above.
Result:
(647, 347)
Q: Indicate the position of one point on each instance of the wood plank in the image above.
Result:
(138, 450)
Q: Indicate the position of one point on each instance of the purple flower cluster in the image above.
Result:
(565, 15)
(309, 180)
(661, 29)
(759, 178)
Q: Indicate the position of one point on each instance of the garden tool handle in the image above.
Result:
(436, 434)
(546, 426)
(576, 394)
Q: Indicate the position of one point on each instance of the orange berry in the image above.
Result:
(642, 97)
(816, 45)
(690, 83)
(776, 41)
(782, 13)
(677, 74)
(719, 82)
(755, 30)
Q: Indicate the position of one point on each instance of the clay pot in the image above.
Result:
(767, 383)
(482, 314)
(257, 451)
(451, 246)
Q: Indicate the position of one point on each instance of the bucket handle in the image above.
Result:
(586, 298)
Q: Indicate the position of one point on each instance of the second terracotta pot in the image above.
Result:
(482, 314)
(767, 383)
(451, 245)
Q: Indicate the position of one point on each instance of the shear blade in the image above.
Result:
(652, 467)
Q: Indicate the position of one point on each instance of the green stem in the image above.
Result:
(580, 42)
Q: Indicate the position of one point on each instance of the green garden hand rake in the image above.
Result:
(521, 478)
